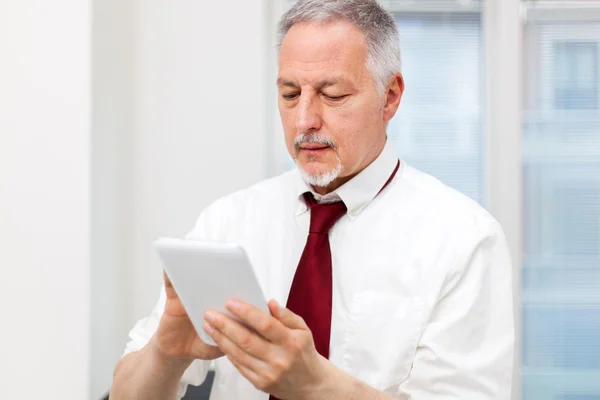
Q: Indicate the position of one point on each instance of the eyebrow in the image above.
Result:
(320, 85)
(284, 82)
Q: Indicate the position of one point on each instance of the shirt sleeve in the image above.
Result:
(466, 351)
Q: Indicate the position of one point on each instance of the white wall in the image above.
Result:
(201, 123)
(180, 118)
(179, 101)
(119, 123)
(111, 194)
(44, 198)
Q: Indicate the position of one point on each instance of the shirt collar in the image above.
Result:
(359, 191)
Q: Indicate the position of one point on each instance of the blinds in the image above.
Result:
(439, 126)
(561, 171)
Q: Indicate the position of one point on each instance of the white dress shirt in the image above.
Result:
(422, 293)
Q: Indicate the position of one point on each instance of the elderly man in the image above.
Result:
(384, 282)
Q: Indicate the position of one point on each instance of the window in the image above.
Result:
(561, 201)
(576, 75)
(439, 128)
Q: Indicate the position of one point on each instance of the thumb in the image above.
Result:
(286, 316)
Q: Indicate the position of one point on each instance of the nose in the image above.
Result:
(308, 116)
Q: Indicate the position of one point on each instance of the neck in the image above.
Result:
(323, 190)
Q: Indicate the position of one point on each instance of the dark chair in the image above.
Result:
(201, 392)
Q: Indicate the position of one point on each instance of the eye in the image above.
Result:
(290, 96)
(336, 98)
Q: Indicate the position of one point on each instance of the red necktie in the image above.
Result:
(311, 292)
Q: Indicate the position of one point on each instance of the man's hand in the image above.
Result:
(278, 357)
(176, 339)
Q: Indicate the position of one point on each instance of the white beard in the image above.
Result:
(322, 179)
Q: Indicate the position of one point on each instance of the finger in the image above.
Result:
(286, 316)
(235, 354)
(173, 305)
(240, 335)
(265, 324)
(249, 374)
(205, 351)
(168, 286)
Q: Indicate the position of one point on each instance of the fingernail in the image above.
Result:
(234, 305)
(210, 316)
(279, 309)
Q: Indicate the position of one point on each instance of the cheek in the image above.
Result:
(347, 130)
(289, 127)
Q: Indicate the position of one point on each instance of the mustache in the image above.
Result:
(313, 138)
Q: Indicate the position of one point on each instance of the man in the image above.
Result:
(396, 286)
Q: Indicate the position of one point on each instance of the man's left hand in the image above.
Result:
(278, 356)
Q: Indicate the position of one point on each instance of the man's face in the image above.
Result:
(333, 118)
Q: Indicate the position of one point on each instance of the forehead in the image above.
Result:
(314, 50)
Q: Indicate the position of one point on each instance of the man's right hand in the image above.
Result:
(155, 371)
(176, 339)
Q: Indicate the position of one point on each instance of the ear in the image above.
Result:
(393, 96)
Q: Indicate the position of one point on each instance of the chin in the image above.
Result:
(314, 167)
(319, 175)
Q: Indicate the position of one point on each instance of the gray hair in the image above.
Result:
(378, 26)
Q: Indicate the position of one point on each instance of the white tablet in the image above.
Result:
(207, 274)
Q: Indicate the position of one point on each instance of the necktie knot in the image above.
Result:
(323, 216)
